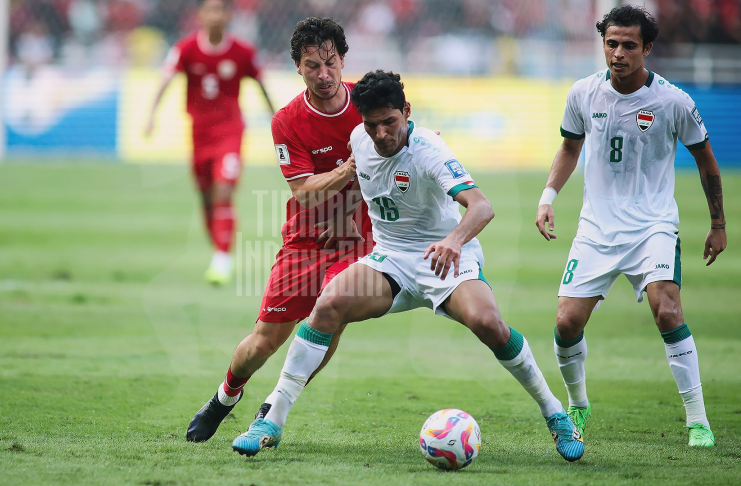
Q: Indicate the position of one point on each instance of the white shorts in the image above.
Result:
(592, 269)
(419, 285)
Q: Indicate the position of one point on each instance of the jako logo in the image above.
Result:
(322, 150)
(276, 309)
(599, 115)
(661, 265)
(363, 175)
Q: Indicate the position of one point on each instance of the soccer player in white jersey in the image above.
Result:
(426, 255)
(631, 119)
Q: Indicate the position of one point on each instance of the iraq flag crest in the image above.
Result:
(645, 119)
(402, 180)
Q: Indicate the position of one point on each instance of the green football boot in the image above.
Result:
(579, 416)
(701, 436)
(217, 278)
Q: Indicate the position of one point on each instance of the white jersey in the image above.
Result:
(410, 195)
(631, 141)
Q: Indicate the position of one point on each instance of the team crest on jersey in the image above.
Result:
(227, 69)
(645, 119)
(402, 180)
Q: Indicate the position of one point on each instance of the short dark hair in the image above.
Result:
(227, 3)
(629, 16)
(378, 89)
(315, 31)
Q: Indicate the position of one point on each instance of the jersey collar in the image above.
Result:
(213, 50)
(646, 84)
(328, 115)
(410, 123)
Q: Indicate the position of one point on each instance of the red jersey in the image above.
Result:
(310, 142)
(214, 74)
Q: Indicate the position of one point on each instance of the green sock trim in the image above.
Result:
(512, 348)
(675, 335)
(308, 333)
(563, 343)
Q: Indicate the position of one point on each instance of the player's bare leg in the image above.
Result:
(219, 200)
(207, 208)
(357, 294)
(681, 353)
(473, 305)
(250, 355)
(570, 347)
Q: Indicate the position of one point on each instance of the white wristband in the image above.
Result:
(549, 194)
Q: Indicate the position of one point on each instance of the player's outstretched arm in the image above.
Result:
(716, 241)
(164, 83)
(267, 97)
(447, 252)
(563, 166)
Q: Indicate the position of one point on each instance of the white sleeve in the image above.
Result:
(691, 130)
(572, 125)
(442, 167)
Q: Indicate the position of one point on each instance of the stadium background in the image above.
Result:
(490, 74)
(110, 339)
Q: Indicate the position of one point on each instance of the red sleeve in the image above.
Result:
(251, 65)
(293, 158)
(174, 61)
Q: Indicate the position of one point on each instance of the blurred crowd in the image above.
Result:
(419, 33)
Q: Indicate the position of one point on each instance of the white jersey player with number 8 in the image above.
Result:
(631, 120)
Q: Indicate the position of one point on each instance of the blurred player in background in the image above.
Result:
(214, 62)
(311, 137)
(632, 119)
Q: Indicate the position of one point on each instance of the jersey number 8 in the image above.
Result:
(616, 154)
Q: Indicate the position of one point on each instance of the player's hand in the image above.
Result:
(347, 168)
(545, 217)
(338, 235)
(715, 243)
(442, 255)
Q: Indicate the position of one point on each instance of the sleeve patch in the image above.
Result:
(696, 115)
(455, 168)
(282, 151)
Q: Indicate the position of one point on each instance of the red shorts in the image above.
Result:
(298, 277)
(216, 157)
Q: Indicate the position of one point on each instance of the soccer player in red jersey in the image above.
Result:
(214, 62)
(311, 137)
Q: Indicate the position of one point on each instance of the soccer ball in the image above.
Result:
(450, 439)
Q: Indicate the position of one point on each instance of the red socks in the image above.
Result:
(222, 226)
(232, 384)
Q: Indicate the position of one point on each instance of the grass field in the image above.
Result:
(110, 342)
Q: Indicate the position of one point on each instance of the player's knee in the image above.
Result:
(327, 314)
(569, 324)
(668, 315)
(489, 328)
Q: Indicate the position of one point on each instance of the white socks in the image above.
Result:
(304, 357)
(682, 358)
(524, 368)
(221, 262)
(571, 356)
(226, 399)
